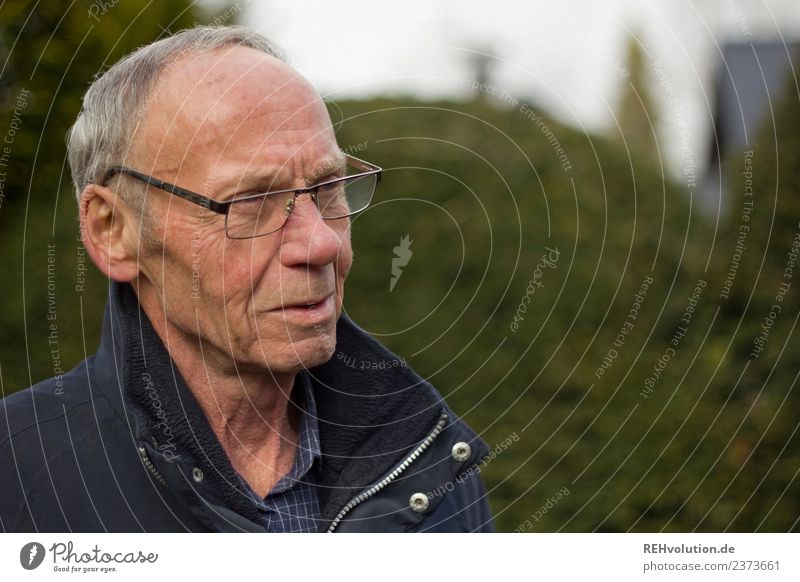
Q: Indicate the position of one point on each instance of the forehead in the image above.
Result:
(231, 99)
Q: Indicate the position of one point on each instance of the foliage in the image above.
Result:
(638, 447)
(636, 115)
(50, 53)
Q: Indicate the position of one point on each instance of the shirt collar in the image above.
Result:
(309, 450)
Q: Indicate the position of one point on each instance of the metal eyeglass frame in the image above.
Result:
(223, 207)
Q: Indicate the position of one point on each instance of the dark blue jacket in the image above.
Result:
(120, 444)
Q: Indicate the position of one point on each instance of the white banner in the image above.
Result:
(423, 557)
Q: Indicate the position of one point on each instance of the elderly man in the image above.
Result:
(213, 195)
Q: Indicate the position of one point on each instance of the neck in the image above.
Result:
(248, 410)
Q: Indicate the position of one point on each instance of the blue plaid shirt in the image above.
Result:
(292, 505)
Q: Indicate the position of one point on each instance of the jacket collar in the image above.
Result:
(372, 409)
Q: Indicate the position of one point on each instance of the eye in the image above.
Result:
(251, 217)
(332, 200)
(251, 205)
(328, 178)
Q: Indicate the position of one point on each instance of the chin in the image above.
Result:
(303, 354)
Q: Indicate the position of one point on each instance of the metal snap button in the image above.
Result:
(197, 474)
(419, 502)
(461, 451)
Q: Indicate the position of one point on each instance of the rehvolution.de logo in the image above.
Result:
(31, 555)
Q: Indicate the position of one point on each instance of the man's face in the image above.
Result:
(237, 121)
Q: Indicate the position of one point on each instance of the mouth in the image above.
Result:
(311, 304)
(316, 308)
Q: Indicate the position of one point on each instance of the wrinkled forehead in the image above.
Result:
(212, 98)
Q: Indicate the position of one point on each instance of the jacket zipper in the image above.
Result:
(150, 466)
(361, 497)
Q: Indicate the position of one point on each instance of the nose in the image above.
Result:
(307, 239)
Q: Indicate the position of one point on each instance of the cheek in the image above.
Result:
(243, 270)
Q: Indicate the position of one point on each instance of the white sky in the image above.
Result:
(566, 56)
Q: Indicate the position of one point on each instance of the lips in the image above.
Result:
(309, 304)
(309, 312)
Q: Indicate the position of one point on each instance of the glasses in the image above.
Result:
(261, 214)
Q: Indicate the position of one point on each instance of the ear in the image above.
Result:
(109, 233)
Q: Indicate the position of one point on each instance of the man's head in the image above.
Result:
(216, 111)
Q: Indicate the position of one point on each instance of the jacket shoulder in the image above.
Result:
(40, 429)
(31, 410)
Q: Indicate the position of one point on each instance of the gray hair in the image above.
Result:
(116, 100)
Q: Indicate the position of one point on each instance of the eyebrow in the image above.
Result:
(334, 165)
(331, 166)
